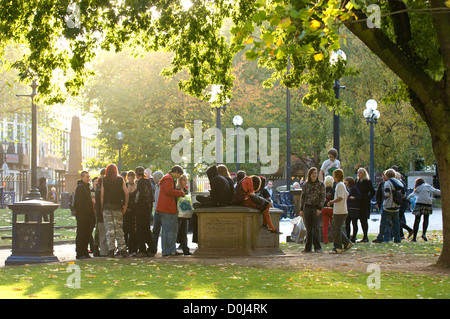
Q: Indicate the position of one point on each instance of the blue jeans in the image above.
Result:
(386, 217)
(169, 227)
(156, 230)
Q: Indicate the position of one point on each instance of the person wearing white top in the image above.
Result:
(331, 164)
(339, 214)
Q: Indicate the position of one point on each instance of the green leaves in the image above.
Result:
(268, 31)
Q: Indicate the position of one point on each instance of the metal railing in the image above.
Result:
(6, 198)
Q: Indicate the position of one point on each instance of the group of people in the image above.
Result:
(119, 209)
(343, 201)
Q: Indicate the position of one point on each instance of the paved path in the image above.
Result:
(66, 252)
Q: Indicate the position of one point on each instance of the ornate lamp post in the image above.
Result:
(237, 121)
(33, 192)
(119, 137)
(215, 90)
(32, 235)
(371, 114)
(334, 58)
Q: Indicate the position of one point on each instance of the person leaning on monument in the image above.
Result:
(84, 209)
(249, 186)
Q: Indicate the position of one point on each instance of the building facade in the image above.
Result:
(53, 148)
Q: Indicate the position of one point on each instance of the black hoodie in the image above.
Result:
(220, 188)
(83, 202)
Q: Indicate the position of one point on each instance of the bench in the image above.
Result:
(235, 231)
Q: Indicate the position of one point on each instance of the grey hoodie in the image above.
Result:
(423, 194)
(388, 203)
(157, 177)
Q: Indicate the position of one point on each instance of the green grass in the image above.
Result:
(147, 278)
(420, 248)
(103, 278)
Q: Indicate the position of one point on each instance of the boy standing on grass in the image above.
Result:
(331, 164)
(339, 214)
(390, 208)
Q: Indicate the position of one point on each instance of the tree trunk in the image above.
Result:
(429, 98)
(440, 136)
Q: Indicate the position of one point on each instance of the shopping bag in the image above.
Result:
(184, 207)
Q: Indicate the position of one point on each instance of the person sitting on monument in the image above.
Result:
(223, 170)
(249, 186)
(220, 193)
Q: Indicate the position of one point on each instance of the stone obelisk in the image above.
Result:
(75, 156)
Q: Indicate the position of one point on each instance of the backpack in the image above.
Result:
(398, 194)
(239, 194)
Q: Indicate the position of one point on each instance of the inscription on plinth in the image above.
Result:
(222, 232)
(234, 231)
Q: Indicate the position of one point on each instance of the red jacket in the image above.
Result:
(167, 194)
(247, 186)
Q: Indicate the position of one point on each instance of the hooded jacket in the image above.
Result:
(157, 177)
(167, 195)
(83, 203)
(220, 188)
(250, 186)
(388, 202)
(423, 194)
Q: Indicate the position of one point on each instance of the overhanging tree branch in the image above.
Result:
(442, 25)
(396, 59)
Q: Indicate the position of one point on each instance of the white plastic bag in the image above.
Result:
(184, 207)
(299, 230)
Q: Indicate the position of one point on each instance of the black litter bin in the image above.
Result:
(32, 232)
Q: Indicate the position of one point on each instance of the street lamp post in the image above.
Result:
(371, 114)
(288, 133)
(215, 90)
(33, 192)
(237, 121)
(33, 218)
(4, 151)
(119, 137)
(334, 58)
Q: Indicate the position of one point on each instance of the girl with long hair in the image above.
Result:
(423, 193)
(311, 203)
(114, 199)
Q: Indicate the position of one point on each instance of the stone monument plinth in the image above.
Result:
(236, 231)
